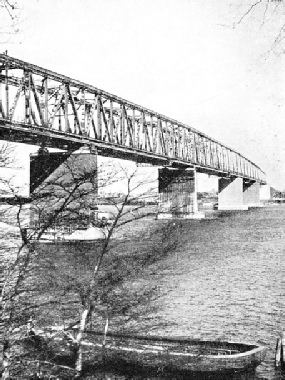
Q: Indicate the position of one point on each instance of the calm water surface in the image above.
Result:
(228, 282)
(233, 285)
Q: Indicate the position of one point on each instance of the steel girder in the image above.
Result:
(40, 106)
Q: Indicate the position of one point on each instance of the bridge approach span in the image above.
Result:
(39, 106)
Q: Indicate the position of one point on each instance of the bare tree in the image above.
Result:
(70, 192)
(82, 287)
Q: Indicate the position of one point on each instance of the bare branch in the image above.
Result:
(248, 11)
(265, 12)
(9, 8)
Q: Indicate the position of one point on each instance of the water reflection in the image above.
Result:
(112, 372)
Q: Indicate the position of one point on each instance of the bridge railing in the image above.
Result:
(36, 99)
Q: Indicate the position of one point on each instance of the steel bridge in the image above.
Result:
(41, 107)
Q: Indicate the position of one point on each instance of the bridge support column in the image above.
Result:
(46, 166)
(251, 193)
(265, 193)
(230, 196)
(178, 194)
(56, 175)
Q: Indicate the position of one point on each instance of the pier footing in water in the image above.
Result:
(178, 194)
(198, 215)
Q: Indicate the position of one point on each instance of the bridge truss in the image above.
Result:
(38, 106)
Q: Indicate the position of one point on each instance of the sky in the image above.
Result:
(190, 60)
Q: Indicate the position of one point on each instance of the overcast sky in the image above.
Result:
(181, 58)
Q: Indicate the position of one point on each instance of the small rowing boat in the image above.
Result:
(179, 354)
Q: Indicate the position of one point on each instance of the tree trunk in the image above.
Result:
(78, 347)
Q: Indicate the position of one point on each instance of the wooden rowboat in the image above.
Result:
(175, 353)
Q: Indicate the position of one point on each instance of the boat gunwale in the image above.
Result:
(252, 348)
(187, 354)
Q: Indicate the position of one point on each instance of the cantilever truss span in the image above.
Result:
(38, 106)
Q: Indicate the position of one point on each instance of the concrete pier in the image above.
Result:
(178, 194)
(230, 196)
(266, 193)
(59, 177)
(49, 167)
(251, 193)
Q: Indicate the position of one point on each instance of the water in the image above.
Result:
(228, 282)
(232, 285)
